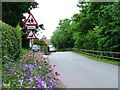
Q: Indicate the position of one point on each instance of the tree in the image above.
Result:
(63, 35)
(96, 27)
(12, 12)
(110, 33)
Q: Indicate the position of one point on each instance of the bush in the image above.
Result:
(11, 42)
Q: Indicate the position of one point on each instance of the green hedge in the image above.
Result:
(11, 41)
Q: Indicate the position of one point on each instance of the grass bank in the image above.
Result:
(25, 51)
(113, 62)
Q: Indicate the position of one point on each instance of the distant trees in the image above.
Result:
(40, 42)
(96, 27)
(62, 36)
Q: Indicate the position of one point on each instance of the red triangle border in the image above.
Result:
(33, 34)
(30, 24)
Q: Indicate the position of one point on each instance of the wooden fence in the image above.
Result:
(100, 54)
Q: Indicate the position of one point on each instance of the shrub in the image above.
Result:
(11, 41)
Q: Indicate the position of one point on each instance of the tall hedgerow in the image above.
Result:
(11, 42)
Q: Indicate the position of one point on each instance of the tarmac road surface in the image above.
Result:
(80, 72)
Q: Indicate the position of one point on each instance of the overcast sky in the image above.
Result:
(51, 11)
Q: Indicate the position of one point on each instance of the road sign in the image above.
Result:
(30, 21)
(31, 27)
(31, 35)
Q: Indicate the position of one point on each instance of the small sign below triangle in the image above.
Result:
(31, 35)
(30, 21)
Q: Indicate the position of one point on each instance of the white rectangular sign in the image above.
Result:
(31, 27)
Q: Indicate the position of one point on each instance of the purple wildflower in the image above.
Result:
(30, 80)
(3, 84)
(12, 71)
(39, 67)
(51, 81)
(44, 57)
(37, 80)
(38, 86)
(25, 74)
(25, 67)
(35, 64)
(21, 81)
(48, 75)
(10, 63)
(43, 83)
(38, 53)
(5, 57)
(30, 54)
(21, 61)
(50, 69)
(54, 65)
(38, 59)
(24, 57)
(43, 77)
(31, 67)
(51, 87)
(32, 73)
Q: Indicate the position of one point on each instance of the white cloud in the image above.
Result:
(51, 11)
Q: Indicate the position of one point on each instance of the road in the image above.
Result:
(80, 72)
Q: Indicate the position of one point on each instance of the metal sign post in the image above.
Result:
(30, 43)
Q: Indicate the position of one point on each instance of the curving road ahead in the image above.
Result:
(80, 72)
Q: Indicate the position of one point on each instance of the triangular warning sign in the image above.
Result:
(30, 21)
(31, 35)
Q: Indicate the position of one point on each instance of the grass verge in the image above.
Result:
(113, 62)
(25, 52)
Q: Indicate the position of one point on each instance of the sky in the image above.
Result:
(51, 11)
